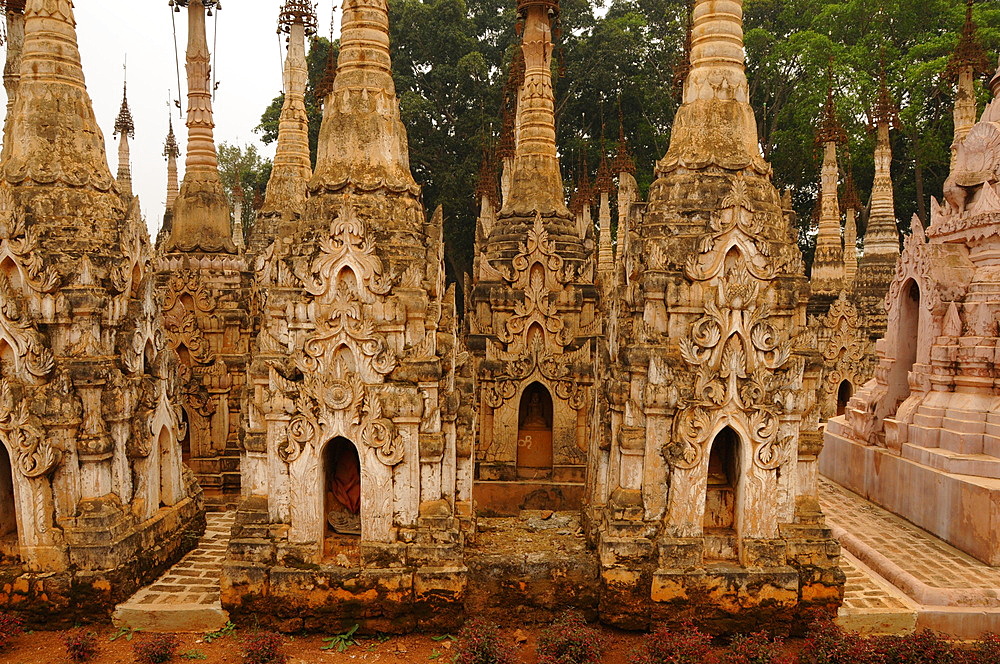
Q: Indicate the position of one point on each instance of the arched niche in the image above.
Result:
(341, 493)
(168, 492)
(722, 497)
(534, 433)
(844, 393)
(907, 343)
(8, 509)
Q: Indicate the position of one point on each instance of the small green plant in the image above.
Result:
(81, 646)
(341, 642)
(193, 654)
(125, 631)
(443, 637)
(226, 630)
(156, 649)
(435, 654)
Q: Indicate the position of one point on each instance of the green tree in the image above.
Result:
(244, 171)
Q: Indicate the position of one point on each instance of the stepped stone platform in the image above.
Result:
(186, 598)
(901, 578)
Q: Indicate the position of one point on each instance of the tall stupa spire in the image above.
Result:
(53, 135)
(536, 184)
(14, 10)
(124, 130)
(201, 211)
(715, 124)
(828, 264)
(882, 235)
(362, 139)
(968, 59)
(877, 265)
(171, 151)
(286, 190)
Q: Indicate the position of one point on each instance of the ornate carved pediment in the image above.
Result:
(18, 244)
(347, 249)
(740, 362)
(188, 282)
(31, 358)
(327, 407)
(558, 368)
(183, 330)
(538, 248)
(30, 449)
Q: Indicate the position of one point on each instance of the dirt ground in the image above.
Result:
(49, 648)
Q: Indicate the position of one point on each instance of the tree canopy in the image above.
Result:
(451, 57)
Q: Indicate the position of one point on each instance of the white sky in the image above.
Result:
(248, 69)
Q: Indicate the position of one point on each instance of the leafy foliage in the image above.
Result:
(10, 627)
(81, 645)
(263, 648)
(569, 640)
(756, 648)
(686, 645)
(156, 649)
(479, 643)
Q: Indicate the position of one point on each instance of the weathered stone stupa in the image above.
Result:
(881, 240)
(357, 471)
(837, 329)
(532, 314)
(292, 168)
(204, 284)
(702, 491)
(922, 439)
(95, 497)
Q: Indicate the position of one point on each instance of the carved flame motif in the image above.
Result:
(739, 362)
(32, 359)
(33, 455)
(348, 246)
(18, 244)
(557, 368)
(538, 286)
(188, 282)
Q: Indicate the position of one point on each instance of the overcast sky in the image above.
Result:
(248, 70)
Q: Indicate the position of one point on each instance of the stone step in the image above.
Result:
(192, 617)
(186, 598)
(979, 465)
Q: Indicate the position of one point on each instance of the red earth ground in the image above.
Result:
(49, 648)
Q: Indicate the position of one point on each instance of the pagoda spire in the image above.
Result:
(536, 184)
(715, 123)
(124, 130)
(851, 205)
(967, 60)
(286, 189)
(171, 151)
(605, 185)
(828, 264)
(362, 140)
(12, 68)
(882, 234)
(52, 134)
(201, 210)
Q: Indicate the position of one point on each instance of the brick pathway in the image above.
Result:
(901, 578)
(929, 559)
(186, 597)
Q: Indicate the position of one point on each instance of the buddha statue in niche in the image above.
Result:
(343, 488)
